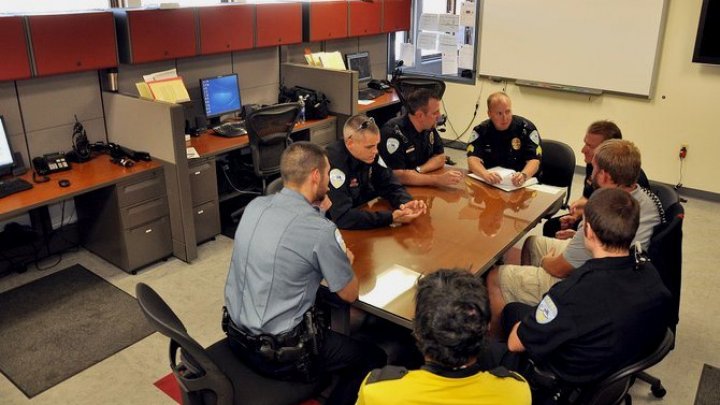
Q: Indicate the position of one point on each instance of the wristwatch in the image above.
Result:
(418, 169)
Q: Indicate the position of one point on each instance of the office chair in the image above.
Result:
(665, 253)
(405, 85)
(214, 376)
(557, 168)
(274, 187)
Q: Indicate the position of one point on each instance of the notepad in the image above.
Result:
(170, 90)
(506, 183)
(389, 285)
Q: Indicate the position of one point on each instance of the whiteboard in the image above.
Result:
(601, 44)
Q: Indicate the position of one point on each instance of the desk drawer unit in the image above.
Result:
(204, 190)
(128, 224)
(324, 134)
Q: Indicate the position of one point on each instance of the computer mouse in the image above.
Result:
(64, 183)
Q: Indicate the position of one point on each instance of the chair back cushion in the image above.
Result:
(269, 130)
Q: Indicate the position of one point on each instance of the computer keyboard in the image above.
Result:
(369, 94)
(230, 130)
(13, 185)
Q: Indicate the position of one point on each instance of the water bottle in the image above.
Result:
(301, 100)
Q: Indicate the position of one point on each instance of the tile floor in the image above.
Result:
(195, 292)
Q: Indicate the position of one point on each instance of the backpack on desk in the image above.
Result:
(316, 103)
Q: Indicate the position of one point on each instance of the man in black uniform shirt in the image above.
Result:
(411, 146)
(504, 140)
(358, 174)
(564, 227)
(610, 312)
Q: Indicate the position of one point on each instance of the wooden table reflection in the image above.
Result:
(469, 226)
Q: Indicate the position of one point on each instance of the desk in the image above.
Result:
(123, 211)
(387, 99)
(469, 226)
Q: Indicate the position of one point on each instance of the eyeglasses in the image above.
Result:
(366, 124)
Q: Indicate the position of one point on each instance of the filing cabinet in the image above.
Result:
(324, 134)
(203, 186)
(128, 224)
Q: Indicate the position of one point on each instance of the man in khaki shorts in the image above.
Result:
(546, 261)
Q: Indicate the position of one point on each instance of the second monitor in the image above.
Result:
(221, 96)
(360, 62)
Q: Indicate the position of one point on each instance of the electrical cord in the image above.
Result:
(472, 120)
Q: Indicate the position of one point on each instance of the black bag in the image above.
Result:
(316, 103)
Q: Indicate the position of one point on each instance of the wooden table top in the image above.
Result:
(98, 172)
(379, 102)
(468, 226)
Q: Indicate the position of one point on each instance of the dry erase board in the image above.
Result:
(601, 44)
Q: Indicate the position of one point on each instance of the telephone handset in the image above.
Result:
(50, 163)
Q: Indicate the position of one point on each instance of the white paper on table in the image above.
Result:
(450, 63)
(427, 41)
(465, 57)
(165, 74)
(365, 102)
(389, 285)
(506, 183)
(545, 188)
(407, 54)
(467, 14)
(428, 22)
(191, 153)
(448, 23)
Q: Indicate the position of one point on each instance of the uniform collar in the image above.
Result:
(290, 193)
(612, 263)
(450, 372)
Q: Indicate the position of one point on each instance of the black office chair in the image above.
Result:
(274, 187)
(557, 168)
(405, 85)
(665, 253)
(214, 376)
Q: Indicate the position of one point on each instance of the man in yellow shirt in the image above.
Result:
(451, 320)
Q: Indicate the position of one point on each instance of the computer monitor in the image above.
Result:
(360, 62)
(220, 95)
(6, 153)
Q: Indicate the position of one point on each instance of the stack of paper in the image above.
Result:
(328, 60)
(506, 176)
(163, 86)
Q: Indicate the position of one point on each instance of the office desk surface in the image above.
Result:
(84, 177)
(208, 144)
(379, 102)
(468, 226)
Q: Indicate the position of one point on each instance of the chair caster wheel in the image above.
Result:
(658, 392)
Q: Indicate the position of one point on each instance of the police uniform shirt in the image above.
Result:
(651, 214)
(402, 147)
(353, 183)
(607, 314)
(511, 148)
(283, 248)
(420, 387)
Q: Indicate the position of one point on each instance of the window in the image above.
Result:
(441, 41)
(39, 6)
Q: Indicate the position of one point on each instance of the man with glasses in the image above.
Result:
(411, 146)
(504, 140)
(359, 175)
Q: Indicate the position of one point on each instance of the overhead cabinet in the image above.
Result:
(325, 20)
(226, 28)
(13, 47)
(396, 15)
(278, 24)
(154, 35)
(365, 18)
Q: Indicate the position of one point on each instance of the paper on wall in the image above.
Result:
(448, 22)
(427, 41)
(447, 39)
(465, 57)
(467, 14)
(407, 54)
(450, 63)
(428, 22)
(447, 49)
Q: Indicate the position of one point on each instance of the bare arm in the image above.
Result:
(350, 292)
(514, 343)
(531, 167)
(476, 166)
(557, 266)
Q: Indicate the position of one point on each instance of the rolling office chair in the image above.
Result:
(214, 376)
(405, 85)
(665, 253)
(611, 390)
(557, 169)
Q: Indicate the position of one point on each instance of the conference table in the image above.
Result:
(469, 226)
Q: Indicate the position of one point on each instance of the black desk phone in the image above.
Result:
(50, 163)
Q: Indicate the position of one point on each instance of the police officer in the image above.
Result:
(451, 318)
(411, 146)
(284, 246)
(504, 140)
(358, 174)
(610, 312)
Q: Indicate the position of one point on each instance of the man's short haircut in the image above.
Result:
(614, 216)
(418, 100)
(621, 159)
(495, 97)
(451, 316)
(299, 160)
(606, 128)
(358, 125)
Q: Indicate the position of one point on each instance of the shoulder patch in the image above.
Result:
(392, 145)
(340, 240)
(546, 310)
(337, 178)
(473, 136)
(538, 150)
(535, 137)
(470, 148)
(502, 372)
(381, 162)
(386, 373)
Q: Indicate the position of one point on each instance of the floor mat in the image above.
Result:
(708, 392)
(61, 324)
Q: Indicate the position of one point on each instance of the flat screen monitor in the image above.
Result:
(6, 154)
(707, 43)
(360, 62)
(220, 95)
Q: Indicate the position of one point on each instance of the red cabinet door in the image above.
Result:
(325, 20)
(396, 15)
(278, 24)
(365, 18)
(73, 42)
(161, 34)
(13, 48)
(226, 28)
